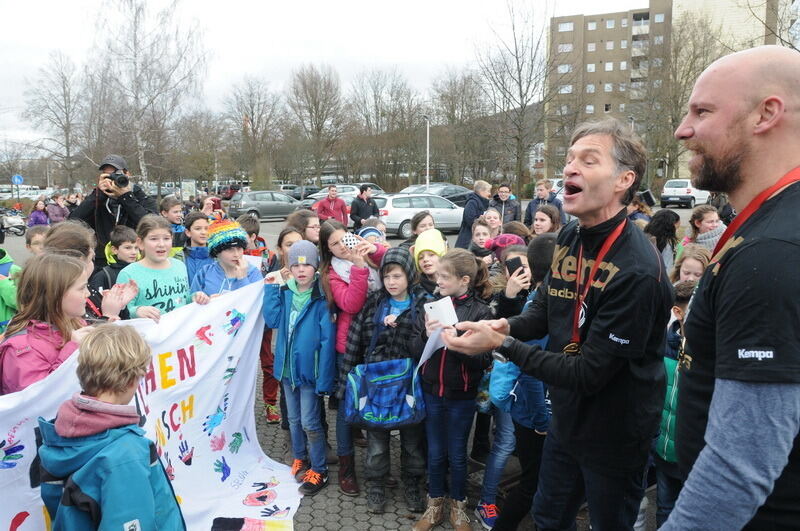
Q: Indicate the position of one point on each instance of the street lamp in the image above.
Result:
(427, 151)
(632, 121)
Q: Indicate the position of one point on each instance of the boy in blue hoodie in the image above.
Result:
(195, 254)
(229, 271)
(172, 210)
(98, 471)
(305, 360)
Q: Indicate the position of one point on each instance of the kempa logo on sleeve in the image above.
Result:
(745, 354)
(619, 340)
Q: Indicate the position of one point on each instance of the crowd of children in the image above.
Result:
(337, 300)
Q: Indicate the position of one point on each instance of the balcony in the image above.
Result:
(641, 29)
(639, 73)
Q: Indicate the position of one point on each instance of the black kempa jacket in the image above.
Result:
(449, 373)
(103, 213)
(607, 400)
(361, 210)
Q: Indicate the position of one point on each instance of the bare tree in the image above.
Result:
(315, 98)
(12, 159)
(201, 145)
(778, 18)
(515, 76)
(53, 102)
(253, 112)
(152, 61)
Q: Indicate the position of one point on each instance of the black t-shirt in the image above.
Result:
(744, 324)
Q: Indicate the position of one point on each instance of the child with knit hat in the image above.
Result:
(429, 246)
(229, 271)
(305, 360)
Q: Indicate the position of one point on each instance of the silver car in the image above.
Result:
(396, 211)
(262, 204)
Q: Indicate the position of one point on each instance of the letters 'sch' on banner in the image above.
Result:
(198, 398)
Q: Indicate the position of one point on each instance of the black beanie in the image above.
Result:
(540, 255)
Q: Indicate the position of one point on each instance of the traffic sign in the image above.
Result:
(17, 179)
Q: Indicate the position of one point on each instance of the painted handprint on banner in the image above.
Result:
(220, 465)
(217, 442)
(185, 453)
(236, 321)
(215, 419)
(203, 335)
(170, 469)
(274, 512)
(11, 453)
(236, 443)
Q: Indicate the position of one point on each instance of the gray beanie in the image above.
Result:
(303, 252)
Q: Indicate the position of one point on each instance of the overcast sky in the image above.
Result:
(270, 38)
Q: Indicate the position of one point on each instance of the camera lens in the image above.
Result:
(121, 180)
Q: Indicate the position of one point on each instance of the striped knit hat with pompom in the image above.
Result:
(224, 233)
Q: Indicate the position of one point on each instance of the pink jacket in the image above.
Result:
(336, 209)
(28, 357)
(350, 298)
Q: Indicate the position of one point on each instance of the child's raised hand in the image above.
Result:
(201, 298)
(520, 280)
(78, 335)
(129, 290)
(488, 260)
(149, 312)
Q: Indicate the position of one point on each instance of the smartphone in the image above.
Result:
(349, 240)
(513, 263)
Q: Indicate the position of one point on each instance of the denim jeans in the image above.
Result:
(529, 446)
(303, 407)
(564, 484)
(669, 485)
(502, 447)
(344, 431)
(412, 460)
(447, 427)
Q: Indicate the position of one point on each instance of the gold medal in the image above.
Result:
(573, 349)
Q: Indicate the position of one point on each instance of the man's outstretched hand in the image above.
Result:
(478, 337)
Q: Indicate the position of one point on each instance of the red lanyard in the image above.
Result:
(610, 239)
(791, 177)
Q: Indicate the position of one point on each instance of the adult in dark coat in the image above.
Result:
(477, 203)
(363, 207)
(509, 208)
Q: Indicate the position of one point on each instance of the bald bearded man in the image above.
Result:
(739, 390)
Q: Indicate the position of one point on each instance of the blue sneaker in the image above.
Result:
(487, 514)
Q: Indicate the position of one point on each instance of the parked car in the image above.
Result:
(306, 191)
(681, 192)
(396, 211)
(285, 188)
(375, 188)
(264, 204)
(229, 190)
(452, 192)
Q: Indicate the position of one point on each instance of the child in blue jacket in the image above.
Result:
(227, 241)
(305, 360)
(98, 470)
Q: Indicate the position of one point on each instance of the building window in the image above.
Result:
(623, 22)
(608, 87)
(563, 110)
(656, 83)
(565, 89)
(658, 39)
(623, 43)
(659, 18)
(564, 26)
(591, 26)
(590, 109)
(561, 151)
(621, 107)
(657, 62)
(610, 66)
(623, 65)
(610, 23)
(609, 45)
(565, 48)
(564, 69)
(623, 87)
(590, 67)
(607, 107)
(590, 88)
(590, 47)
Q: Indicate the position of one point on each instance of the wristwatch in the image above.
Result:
(500, 353)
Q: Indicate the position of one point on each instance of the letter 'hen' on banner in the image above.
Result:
(198, 397)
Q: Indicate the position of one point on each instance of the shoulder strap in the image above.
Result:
(108, 276)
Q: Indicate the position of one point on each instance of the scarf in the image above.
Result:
(709, 239)
(342, 268)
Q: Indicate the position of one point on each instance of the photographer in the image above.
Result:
(115, 201)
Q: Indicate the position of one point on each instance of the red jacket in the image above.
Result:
(350, 298)
(336, 209)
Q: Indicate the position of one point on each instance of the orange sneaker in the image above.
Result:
(299, 469)
(313, 482)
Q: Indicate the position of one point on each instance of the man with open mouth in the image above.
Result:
(605, 307)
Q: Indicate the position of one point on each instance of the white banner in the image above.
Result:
(198, 398)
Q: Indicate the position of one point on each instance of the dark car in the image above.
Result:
(306, 190)
(229, 190)
(455, 193)
(264, 204)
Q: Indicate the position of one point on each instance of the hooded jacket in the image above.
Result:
(473, 209)
(307, 353)
(367, 329)
(102, 280)
(535, 203)
(448, 373)
(8, 289)
(212, 280)
(510, 209)
(103, 213)
(361, 209)
(336, 209)
(100, 472)
(31, 355)
(194, 258)
(56, 212)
